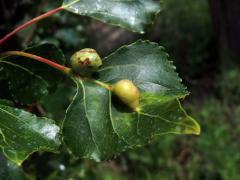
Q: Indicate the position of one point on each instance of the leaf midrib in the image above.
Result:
(86, 114)
(166, 120)
(111, 118)
(26, 70)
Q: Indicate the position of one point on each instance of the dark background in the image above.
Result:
(202, 38)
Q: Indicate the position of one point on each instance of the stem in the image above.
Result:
(106, 86)
(43, 16)
(70, 4)
(34, 20)
(64, 69)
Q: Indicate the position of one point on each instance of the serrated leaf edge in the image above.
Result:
(170, 63)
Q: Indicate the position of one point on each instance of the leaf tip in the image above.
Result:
(197, 129)
(194, 129)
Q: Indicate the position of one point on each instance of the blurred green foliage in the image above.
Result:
(185, 30)
(228, 83)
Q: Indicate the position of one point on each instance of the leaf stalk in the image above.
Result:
(43, 16)
(106, 86)
(34, 20)
(63, 69)
(70, 4)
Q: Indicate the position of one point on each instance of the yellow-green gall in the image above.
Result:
(85, 61)
(128, 93)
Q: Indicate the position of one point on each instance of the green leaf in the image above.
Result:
(97, 126)
(159, 115)
(4, 92)
(47, 73)
(87, 127)
(25, 86)
(10, 171)
(22, 133)
(60, 98)
(2, 74)
(147, 65)
(131, 14)
(30, 80)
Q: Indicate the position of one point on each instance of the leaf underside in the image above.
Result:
(134, 15)
(97, 125)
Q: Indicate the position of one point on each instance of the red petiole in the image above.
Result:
(43, 16)
(34, 20)
(64, 69)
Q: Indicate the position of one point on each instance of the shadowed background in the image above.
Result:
(202, 37)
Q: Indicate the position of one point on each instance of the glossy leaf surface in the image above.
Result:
(131, 14)
(147, 65)
(97, 125)
(22, 133)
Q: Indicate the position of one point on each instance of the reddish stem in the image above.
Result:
(38, 58)
(31, 22)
